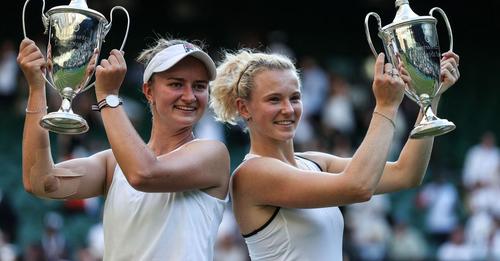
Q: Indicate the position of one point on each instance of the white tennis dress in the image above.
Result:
(143, 226)
(313, 234)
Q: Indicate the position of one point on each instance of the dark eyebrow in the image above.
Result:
(201, 81)
(279, 94)
(176, 79)
(273, 94)
(182, 80)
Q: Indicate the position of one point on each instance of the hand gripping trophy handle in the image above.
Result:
(44, 20)
(107, 28)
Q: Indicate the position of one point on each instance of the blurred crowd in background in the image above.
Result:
(453, 215)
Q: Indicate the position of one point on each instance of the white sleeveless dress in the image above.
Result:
(313, 234)
(143, 226)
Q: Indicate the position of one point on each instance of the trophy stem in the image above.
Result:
(65, 121)
(428, 114)
(431, 125)
(66, 105)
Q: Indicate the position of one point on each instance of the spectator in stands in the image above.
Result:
(286, 203)
(482, 163)
(407, 243)
(8, 73)
(440, 200)
(54, 243)
(8, 251)
(456, 248)
(164, 198)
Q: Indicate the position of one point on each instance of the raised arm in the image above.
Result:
(410, 168)
(79, 178)
(199, 164)
(279, 184)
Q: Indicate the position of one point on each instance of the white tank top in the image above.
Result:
(313, 234)
(143, 226)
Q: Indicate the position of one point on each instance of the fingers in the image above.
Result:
(105, 63)
(392, 75)
(118, 56)
(27, 48)
(36, 58)
(115, 60)
(379, 65)
(405, 76)
(450, 66)
(451, 55)
(30, 57)
(25, 42)
(388, 69)
(98, 69)
(453, 61)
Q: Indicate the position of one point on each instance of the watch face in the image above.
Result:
(112, 100)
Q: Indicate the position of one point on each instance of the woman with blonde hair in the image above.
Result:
(286, 203)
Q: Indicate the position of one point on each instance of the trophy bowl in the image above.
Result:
(411, 41)
(75, 34)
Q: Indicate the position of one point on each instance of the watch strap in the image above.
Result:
(102, 103)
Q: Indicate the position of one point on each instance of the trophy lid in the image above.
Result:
(405, 15)
(77, 6)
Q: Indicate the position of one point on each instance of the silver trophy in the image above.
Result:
(75, 35)
(412, 41)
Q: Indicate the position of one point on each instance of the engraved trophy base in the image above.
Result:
(64, 123)
(432, 128)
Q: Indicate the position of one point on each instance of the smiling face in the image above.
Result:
(179, 95)
(275, 105)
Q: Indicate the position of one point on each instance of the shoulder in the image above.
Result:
(258, 170)
(257, 164)
(214, 147)
(212, 155)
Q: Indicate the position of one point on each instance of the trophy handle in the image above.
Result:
(367, 30)
(450, 33)
(108, 27)
(45, 21)
(44, 18)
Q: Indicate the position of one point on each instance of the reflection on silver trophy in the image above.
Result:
(75, 35)
(412, 42)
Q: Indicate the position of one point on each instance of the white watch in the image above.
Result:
(111, 101)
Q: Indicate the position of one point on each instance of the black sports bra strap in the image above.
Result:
(315, 163)
(265, 224)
